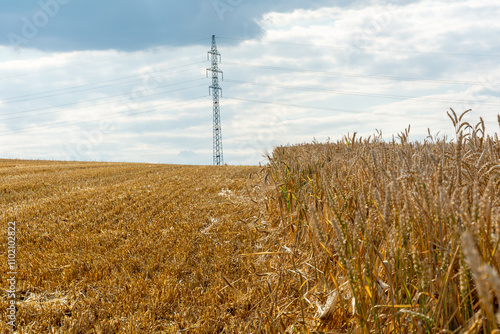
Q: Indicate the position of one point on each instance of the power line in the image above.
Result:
(344, 74)
(386, 96)
(92, 86)
(370, 49)
(324, 108)
(64, 123)
(121, 95)
(94, 105)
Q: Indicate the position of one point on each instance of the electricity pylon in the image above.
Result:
(215, 88)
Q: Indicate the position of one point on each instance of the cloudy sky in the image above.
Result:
(126, 81)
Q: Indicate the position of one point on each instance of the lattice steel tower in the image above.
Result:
(218, 160)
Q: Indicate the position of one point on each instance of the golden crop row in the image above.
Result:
(387, 237)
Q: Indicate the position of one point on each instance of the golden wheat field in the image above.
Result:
(360, 235)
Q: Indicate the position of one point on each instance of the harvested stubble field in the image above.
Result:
(356, 236)
(132, 248)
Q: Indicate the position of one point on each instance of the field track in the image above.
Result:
(111, 247)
